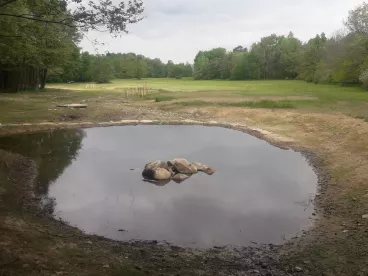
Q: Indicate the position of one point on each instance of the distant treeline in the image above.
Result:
(39, 43)
(85, 67)
(342, 59)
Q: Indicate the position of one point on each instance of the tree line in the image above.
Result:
(39, 42)
(84, 67)
(40, 36)
(342, 59)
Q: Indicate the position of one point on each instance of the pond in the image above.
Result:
(259, 193)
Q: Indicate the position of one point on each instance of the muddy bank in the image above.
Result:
(140, 257)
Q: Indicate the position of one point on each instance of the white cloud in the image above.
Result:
(178, 29)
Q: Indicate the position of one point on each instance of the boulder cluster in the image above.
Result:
(178, 170)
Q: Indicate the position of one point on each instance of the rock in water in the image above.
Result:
(180, 165)
(178, 170)
(209, 171)
(193, 169)
(157, 170)
(181, 168)
(148, 174)
(161, 174)
(156, 164)
(179, 160)
(179, 178)
(200, 167)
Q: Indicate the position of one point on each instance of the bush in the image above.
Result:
(103, 79)
(364, 79)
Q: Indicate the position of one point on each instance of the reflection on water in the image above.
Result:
(95, 176)
(53, 152)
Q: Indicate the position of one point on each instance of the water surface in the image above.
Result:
(260, 193)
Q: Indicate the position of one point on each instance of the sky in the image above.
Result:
(177, 29)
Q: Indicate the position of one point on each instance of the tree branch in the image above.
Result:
(11, 36)
(7, 3)
(37, 19)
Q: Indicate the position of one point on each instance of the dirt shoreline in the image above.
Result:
(164, 258)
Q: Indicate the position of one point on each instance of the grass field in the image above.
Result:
(329, 120)
(287, 94)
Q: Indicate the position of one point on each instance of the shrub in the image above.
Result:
(364, 79)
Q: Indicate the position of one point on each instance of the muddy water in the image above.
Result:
(260, 193)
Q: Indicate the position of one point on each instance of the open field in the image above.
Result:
(298, 94)
(174, 94)
(330, 121)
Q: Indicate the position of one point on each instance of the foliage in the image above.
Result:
(341, 59)
(100, 15)
(274, 57)
(358, 19)
(40, 37)
(103, 68)
(364, 79)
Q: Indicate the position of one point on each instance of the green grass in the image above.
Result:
(263, 104)
(164, 99)
(246, 88)
(41, 106)
(250, 104)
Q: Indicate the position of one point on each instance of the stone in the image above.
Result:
(193, 168)
(183, 166)
(210, 171)
(179, 160)
(156, 164)
(365, 216)
(154, 171)
(161, 174)
(148, 174)
(298, 269)
(200, 167)
(145, 121)
(365, 196)
(179, 178)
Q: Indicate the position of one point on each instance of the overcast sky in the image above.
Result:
(178, 29)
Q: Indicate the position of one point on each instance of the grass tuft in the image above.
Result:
(164, 99)
(250, 104)
(263, 104)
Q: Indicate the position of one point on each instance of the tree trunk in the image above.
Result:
(17, 80)
(43, 78)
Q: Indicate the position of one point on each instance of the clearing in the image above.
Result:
(328, 121)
